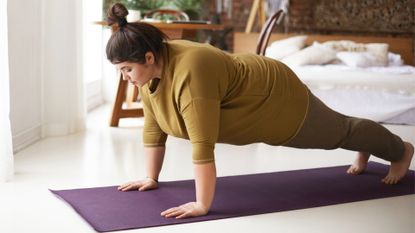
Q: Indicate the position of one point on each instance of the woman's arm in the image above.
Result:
(154, 157)
(203, 79)
(205, 177)
(201, 117)
(154, 161)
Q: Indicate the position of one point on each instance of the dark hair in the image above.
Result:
(131, 41)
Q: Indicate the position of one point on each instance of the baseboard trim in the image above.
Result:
(94, 102)
(27, 137)
(94, 95)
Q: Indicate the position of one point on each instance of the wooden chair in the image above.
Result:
(266, 32)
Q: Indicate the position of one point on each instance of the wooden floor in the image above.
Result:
(103, 156)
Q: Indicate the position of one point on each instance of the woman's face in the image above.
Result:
(139, 74)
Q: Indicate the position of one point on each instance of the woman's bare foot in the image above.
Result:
(359, 164)
(398, 169)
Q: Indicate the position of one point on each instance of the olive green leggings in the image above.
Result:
(325, 128)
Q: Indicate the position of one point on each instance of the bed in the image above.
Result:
(383, 94)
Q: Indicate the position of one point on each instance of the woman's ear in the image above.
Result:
(150, 59)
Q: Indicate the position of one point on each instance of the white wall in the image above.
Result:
(24, 21)
(45, 51)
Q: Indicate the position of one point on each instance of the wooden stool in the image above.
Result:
(129, 94)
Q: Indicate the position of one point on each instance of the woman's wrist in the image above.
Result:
(152, 179)
(202, 207)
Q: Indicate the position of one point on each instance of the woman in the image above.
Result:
(197, 92)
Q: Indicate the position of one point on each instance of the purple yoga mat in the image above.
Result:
(107, 209)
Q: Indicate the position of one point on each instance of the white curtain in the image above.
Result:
(6, 148)
(63, 100)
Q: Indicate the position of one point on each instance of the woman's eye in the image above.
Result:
(128, 70)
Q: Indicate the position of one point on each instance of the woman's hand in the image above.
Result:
(141, 185)
(205, 179)
(191, 209)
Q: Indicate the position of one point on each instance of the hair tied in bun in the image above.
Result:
(122, 22)
(117, 14)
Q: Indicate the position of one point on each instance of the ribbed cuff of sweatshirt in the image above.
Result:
(203, 153)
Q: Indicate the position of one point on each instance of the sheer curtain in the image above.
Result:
(63, 98)
(6, 148)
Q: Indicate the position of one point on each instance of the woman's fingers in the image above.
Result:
(130, 186)
(191, 209)
(184, 215)
(168, 211)
(146, 186)
(171, 212)
(123, 186)
(175, 213)
(141, 185)
(178, 213)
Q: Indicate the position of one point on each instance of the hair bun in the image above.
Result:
(116, 14)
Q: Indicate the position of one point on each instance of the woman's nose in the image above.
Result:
(124, 77)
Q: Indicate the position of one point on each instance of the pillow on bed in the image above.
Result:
(316, 54)
(356, 59)
(378, 57)
(375, 55)
(395, 59)
(281, 48)
(345, 45)
(380, 50)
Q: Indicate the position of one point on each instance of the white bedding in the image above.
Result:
(377, 94)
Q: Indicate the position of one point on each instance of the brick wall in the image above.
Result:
(382, 17)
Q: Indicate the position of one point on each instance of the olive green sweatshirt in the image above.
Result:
(210, 96)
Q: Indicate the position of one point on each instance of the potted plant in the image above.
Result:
(191, 7)
(134, 13)
(136, 8)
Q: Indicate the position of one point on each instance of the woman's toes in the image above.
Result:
(389, 179)
(351, 170)
(356, 170)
